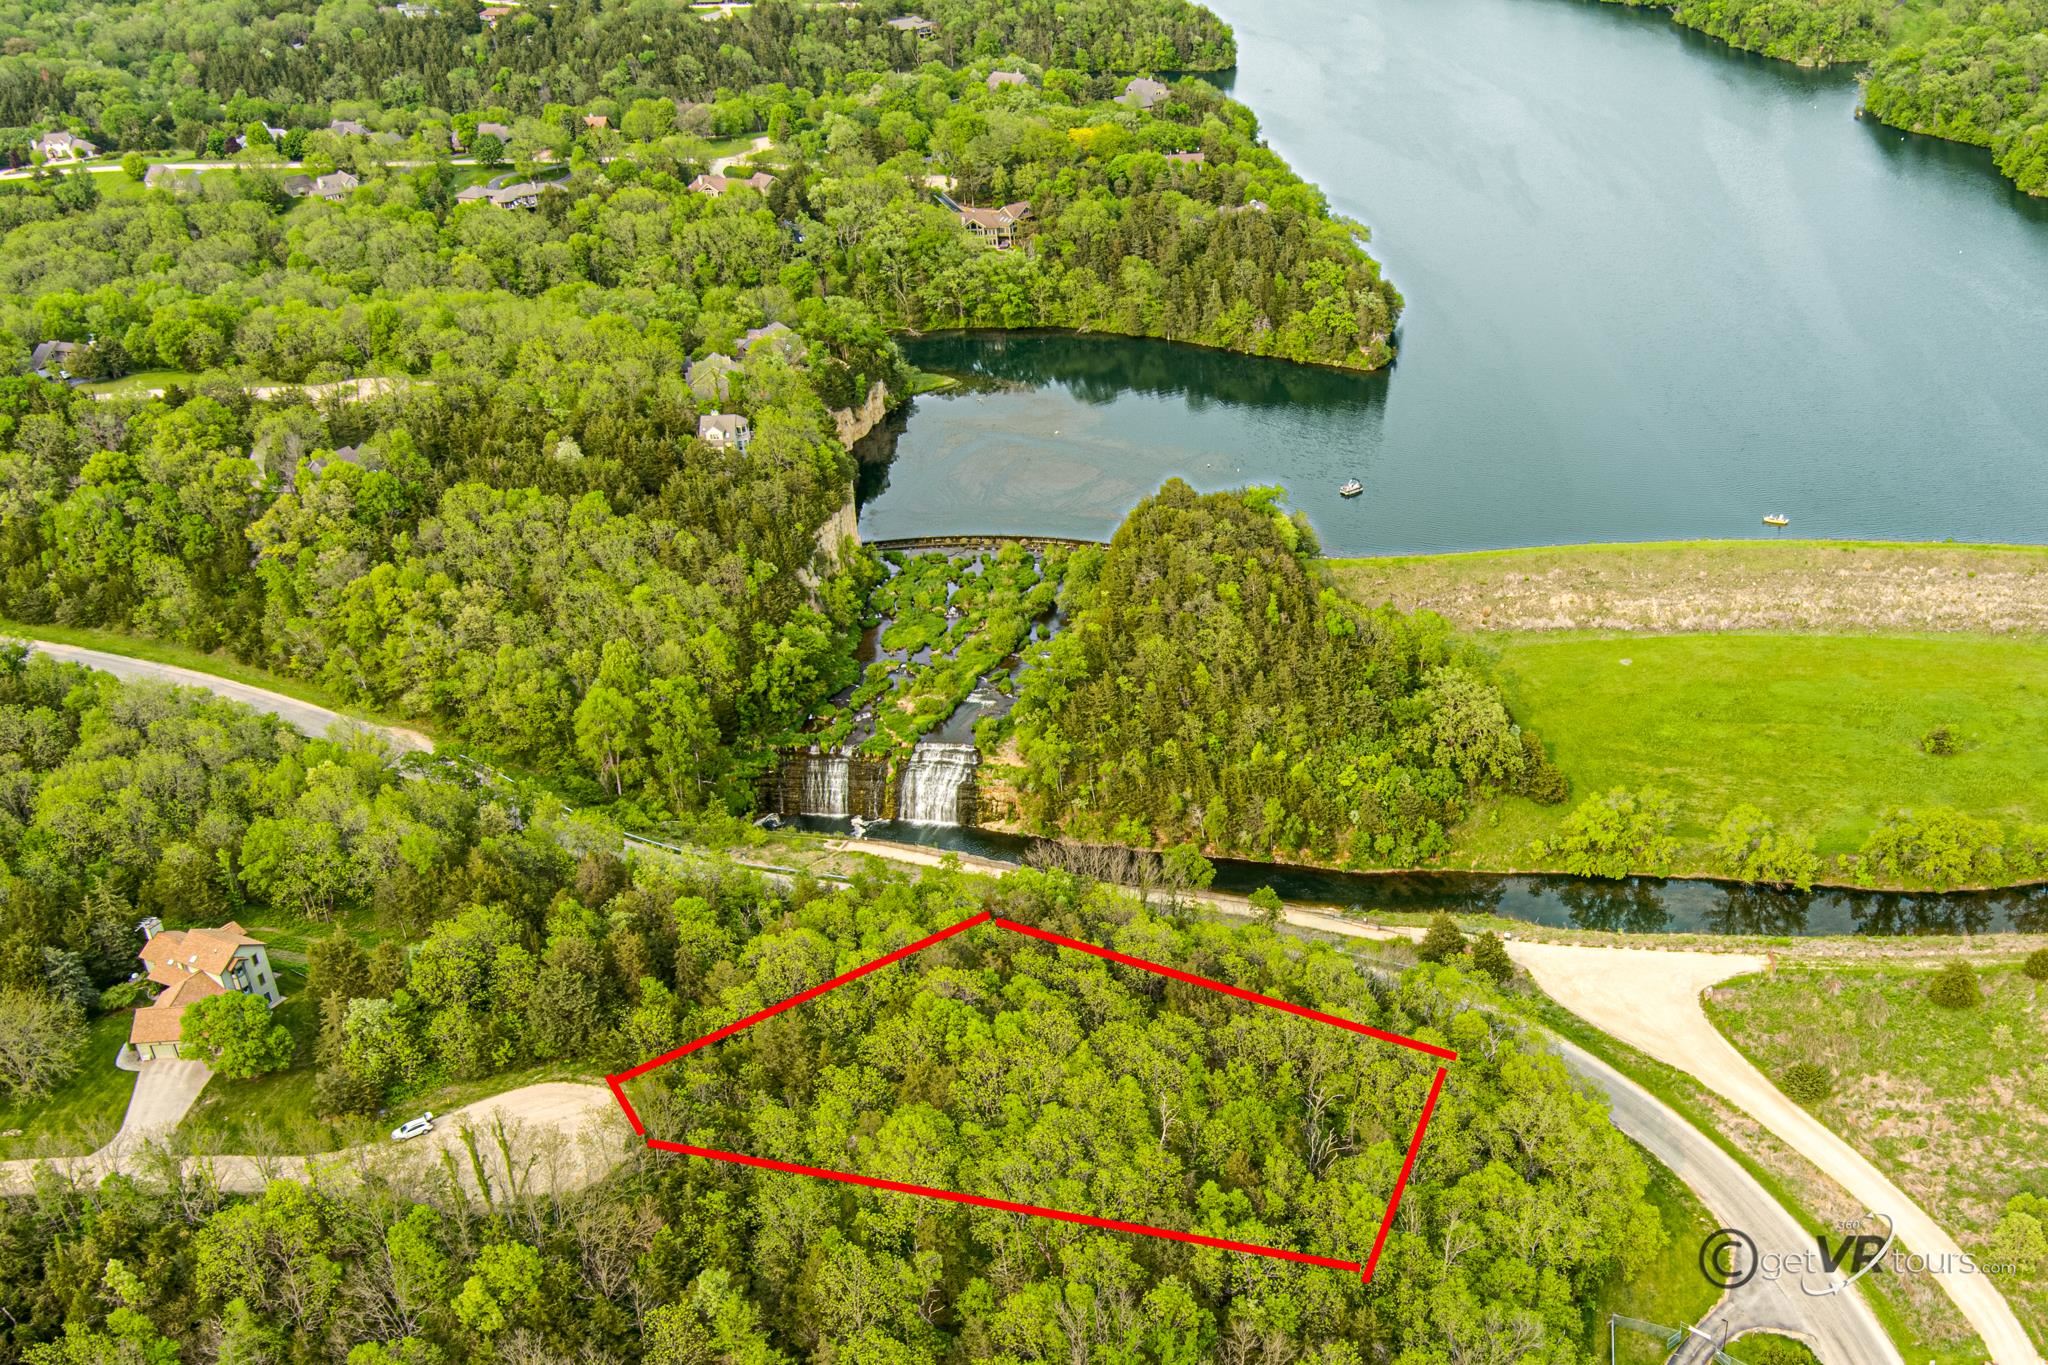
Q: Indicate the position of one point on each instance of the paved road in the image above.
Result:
(165, 1091)
(1651, 1001)
(562, 1135)
(303, 716)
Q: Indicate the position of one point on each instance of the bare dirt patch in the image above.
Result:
(1683, 587)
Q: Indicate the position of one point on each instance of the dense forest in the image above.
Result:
(1972, 71)
(520, 537)
(1211, 686)
(992, 1064)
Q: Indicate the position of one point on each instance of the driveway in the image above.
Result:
(165, 1091)
(303, 716)
(548, 1138)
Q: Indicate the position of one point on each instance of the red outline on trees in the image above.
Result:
(1365, 1272)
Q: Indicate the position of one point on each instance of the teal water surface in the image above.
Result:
(1656, 289)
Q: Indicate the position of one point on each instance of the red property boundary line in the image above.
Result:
(1365, 1272)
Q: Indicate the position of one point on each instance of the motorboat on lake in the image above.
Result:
(1351, 489)
(1777, 519)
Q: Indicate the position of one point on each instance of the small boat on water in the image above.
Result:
(1777, 519)
(1351, 489)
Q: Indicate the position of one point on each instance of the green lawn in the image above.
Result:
(1669, 1290)
(141, 382)
(275, 1114)
(83, 1113)
(1951, 1103)
(1822, 732)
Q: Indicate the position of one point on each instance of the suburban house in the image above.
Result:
(52, 359)
(297, 186)
(192, 964)
(348, 127)
(998, 79)
(998, 227)
(776, 336)
(725, 430)
(596, 121)
(333, 186)
(1143, 92)
(915, 23)
(179, 182)
(715, 185)
(497, 130)
(711, 377)
(491, 14)
(63, 146)
(1186, 158)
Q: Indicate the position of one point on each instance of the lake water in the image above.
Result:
(1656, 289)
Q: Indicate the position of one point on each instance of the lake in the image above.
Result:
(1656, 289)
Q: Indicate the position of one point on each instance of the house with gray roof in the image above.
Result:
(914, 23)
(62, 145)
(1143, 92)
(725, 430)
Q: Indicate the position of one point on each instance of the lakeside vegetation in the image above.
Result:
(1951, 1101)
(1956, 69)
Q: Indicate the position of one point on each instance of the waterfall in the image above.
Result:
(826, 785)
(937, 784)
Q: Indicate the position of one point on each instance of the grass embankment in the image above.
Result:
(1950, 1103)
(1669, 1290)
(1798, 677)
(85, 1112)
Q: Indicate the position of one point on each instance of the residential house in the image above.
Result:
(334, 186)
(1143, 92)
(1186, 159)
(496, 130)
(191, 965)
(348, 127)
(469, 194)
(491, 14)
(997, 227)
(916, 24)
(775, 336)
(409, 10)
(998, 79)
(522, 194)
(715, 185)
(52, 359)
(724, 430)
(596, 121)
(297, 186)
(711, 378)
(61, 145)
(165, 178)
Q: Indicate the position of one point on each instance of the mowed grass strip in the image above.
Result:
(83, 1114)
(1821, 732)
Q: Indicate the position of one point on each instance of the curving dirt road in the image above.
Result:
(303, 716)
(557, 1136)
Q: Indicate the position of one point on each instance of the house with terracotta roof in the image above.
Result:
(190, 965)
(997, 227)
(715, 185)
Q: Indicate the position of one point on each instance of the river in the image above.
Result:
(1656, 289)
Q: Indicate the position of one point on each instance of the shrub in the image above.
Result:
(1806, 1083)
(1955, 986)
(1941, 742)
(1443, 941)
(1542, 780)
(1616, 834)
(1940, 848)
(1267, 902)
(2036, 965)
(1490, 955)
(1749, 846)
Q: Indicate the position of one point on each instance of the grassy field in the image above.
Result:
(1951, 1103)
(83, 1113)
(1820, 732)
(141, 382)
